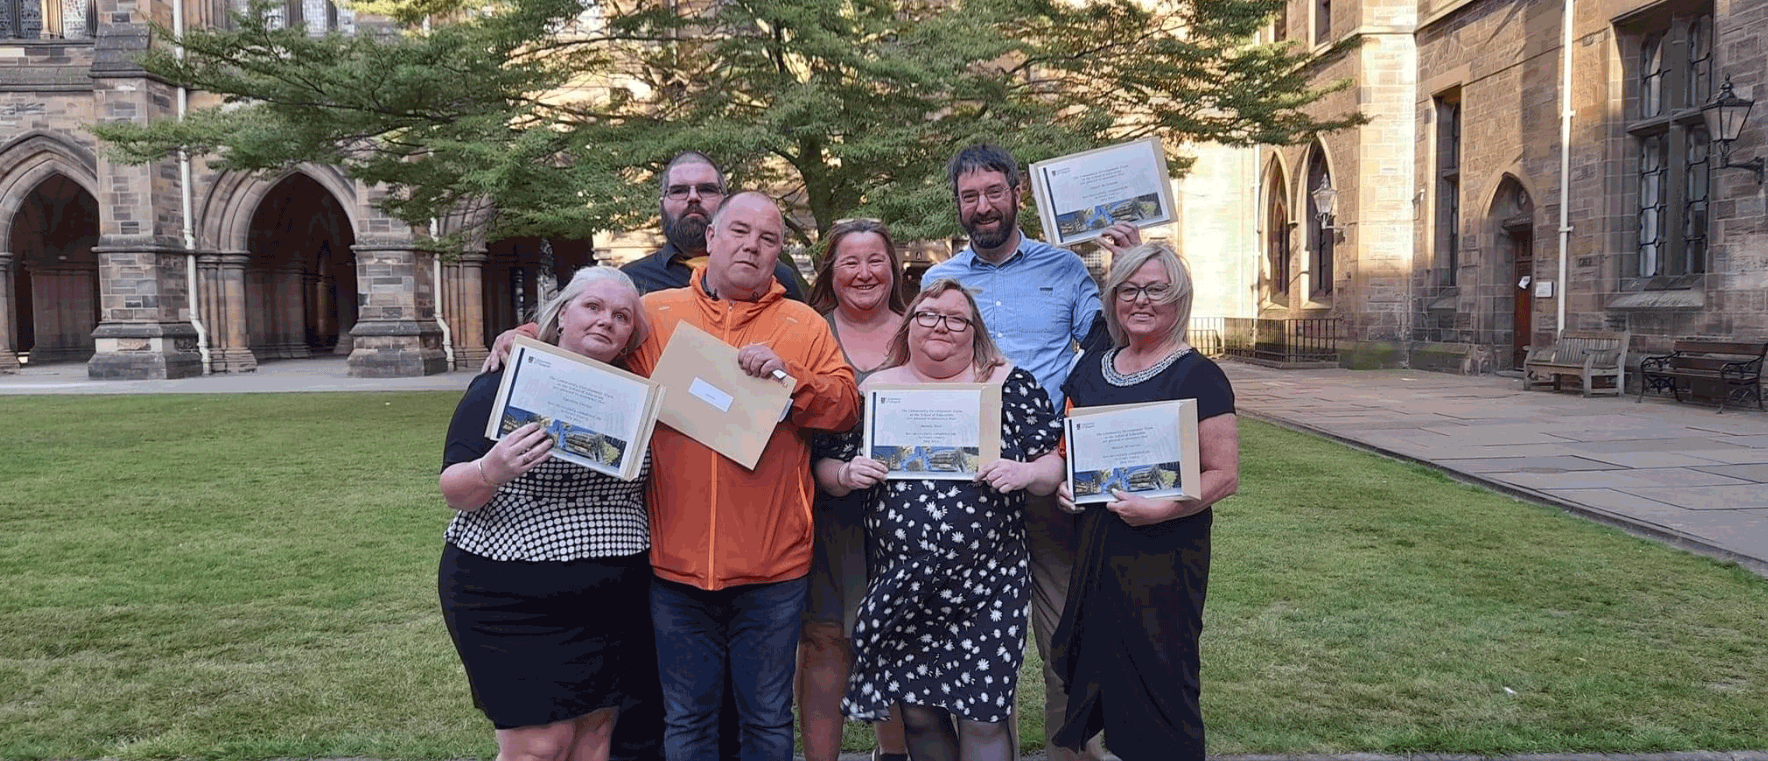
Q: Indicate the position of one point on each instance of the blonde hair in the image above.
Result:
(580, 282)
(1124, 266)
(986, 356)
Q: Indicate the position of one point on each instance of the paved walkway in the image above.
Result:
(1680, 473)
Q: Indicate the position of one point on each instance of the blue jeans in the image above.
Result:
(747, 633)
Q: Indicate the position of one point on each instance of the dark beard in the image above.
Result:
(687, 233)
(1009, 223)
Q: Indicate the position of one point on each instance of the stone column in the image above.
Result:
(8, 353)
(142, 332)
(224, 307)
(288, 294)
(322, 314)
(395, 333)
(465, 309)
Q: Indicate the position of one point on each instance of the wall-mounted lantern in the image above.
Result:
(1725, 116)
(1326, 203)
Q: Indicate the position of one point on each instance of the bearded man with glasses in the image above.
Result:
(1037, 301)
(690, 190)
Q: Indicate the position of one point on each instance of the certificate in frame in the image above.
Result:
(937, 431)
(1148, 449)
(1081, 194)
(599, 416)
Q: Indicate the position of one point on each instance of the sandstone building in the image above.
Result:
(1447, 232)
(144, 275)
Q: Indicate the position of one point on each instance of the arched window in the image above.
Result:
(48, 19)
(1321, 235)
(1673, 77)
(1276, 237)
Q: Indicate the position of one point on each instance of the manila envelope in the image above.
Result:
(712, 401)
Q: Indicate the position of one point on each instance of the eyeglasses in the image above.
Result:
(1154, 291)
(953, 323)
(705, 189)
(994, 194)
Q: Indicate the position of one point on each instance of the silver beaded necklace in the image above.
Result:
(1115, 378)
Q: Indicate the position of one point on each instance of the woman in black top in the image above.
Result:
(1127, 644)
(545, 577)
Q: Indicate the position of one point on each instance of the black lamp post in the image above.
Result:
(1725, 116)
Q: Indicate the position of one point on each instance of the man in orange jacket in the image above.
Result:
(731, 546)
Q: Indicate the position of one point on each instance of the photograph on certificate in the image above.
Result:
(1080, 195)
(1149, 450)
(599, 417)
(935, 431)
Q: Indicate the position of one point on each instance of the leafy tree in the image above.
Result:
(557, 117)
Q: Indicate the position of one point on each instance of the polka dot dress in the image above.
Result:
(943, 620)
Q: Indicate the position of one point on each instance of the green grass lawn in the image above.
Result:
(253, 576)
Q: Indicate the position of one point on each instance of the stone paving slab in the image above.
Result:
(1710, 497)
(1615, 479)
(1681, 474)
(1735, 456)
(1560, 464)
(1757, 472)
(1652, 459)
(1679, 444)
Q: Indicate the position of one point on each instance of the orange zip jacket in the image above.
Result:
(713, 523)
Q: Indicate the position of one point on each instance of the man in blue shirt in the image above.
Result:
(1037, 301)
(690, 188)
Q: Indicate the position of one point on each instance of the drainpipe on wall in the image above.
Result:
(185, 204)
(436, 280)
(1565, 163)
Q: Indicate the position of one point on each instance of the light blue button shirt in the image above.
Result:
(1037, 304)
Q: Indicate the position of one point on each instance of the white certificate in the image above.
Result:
(941, 431)
(1081, 194)
(1149, 450)
(600, 416)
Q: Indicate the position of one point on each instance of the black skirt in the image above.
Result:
(545, 641)
(1127, 645)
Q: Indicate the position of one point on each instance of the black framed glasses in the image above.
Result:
(953, 323)
(1155, 291)
(994, 194)
(705, 189)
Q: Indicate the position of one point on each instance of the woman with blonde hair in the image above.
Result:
(545, 576)
(1127, 644)
(858, 289)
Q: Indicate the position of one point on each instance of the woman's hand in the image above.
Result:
(516, 454)
(861, 473)
(1007, 476)
(1141, 511)
(1065, 499)
(1120, 237)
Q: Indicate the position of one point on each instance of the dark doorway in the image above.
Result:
(301, 290)
(55, 284)
(1522, 242)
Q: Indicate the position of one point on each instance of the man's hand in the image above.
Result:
(759, 361)
(500, 348)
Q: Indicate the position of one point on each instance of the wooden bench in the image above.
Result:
(1588, 354)
(1736, 367)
